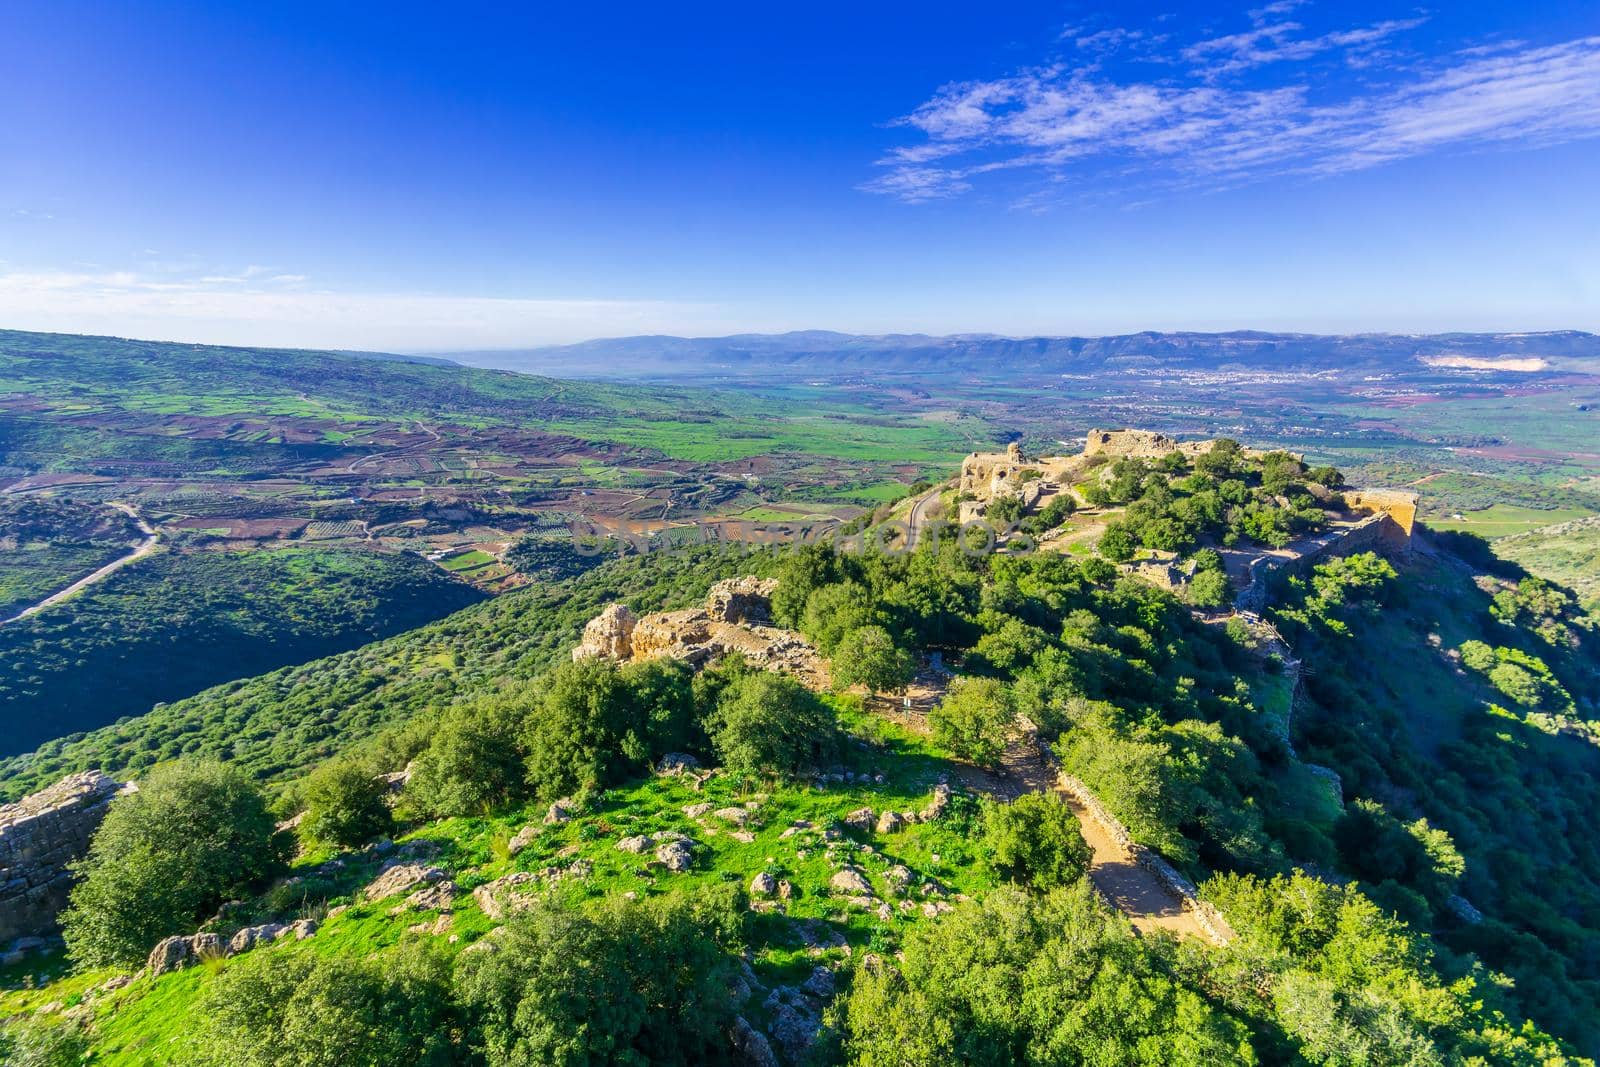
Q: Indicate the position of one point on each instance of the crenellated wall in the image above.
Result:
(40, 835)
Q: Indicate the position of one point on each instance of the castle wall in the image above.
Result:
(40, 836)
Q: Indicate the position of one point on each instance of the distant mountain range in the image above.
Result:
(820, 352)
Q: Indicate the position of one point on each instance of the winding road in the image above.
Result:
(143, 549)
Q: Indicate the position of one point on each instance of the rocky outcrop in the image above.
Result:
(402, 878)
(608, 635)
(176, 953)
(40, 837)
(735, 617)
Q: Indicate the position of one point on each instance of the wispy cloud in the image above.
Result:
(1284, 42)
(1070, 121)
(259, 307)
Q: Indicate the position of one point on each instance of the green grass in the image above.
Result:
(1504, 519)
(146, 1022)
(466, 561)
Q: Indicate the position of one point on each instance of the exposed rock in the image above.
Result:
(304, 928)
(796, 1021)
(860, 819)
(676, 855)
(899, 876)
(750, 1045)
(850, 880)
(747, 600)
(438, 896)
(737, 816)
(40, 836)
(937, 806)
(674, 764)
(439, 925)
(608, 635)
(763, 885)
(522, 839)
(401, 878)
(176, 953)
(820, 984)
(561, 811)
(890, 822)
(744, 837)
(695, 811)
(251, 936)
(503, 895)
(637, 844)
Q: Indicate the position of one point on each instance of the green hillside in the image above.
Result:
(175, 623)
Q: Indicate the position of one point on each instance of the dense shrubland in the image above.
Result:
(1223, 496)
(1182, 728)
(175, 623)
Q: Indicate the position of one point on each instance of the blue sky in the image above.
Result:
(425, 177)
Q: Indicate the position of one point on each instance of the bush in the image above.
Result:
(345, 805)
(1209, 589)
(974, 720)
(272, 1008)
(597, 723)
(868, 656)
(770, 723)
(474, 761)
(631, 983)
(1035, 841)
(193, 836)
(1017, 979)
(25, 1043)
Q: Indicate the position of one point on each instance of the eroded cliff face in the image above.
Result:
(40, 836)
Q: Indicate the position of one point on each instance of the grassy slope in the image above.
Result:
(1568, 554)
(176, 623)
(144, 1023)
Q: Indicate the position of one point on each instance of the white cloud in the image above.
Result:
(1278, 43)
(1070, 121)
(277, 310)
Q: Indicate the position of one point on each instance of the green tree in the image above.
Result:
(1209, 589)
(1116, 543)
(869, 657)
(833, 611)
(765, 723)
(1035, 841)
(345, 804)
(1019, 979)
(629, 983)
(270, 1009)
(193, 836)
(974, 720)
(474, 761)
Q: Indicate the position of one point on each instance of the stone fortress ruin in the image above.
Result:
(735, 617)
(1376, 519)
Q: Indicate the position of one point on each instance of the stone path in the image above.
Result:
(1130, 887)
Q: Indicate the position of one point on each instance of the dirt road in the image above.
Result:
(143, 549)
(1130, 887)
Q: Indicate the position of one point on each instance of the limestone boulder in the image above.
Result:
(401, 878)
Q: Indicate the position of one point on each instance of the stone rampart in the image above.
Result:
(40, 836)
(1205, 916)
